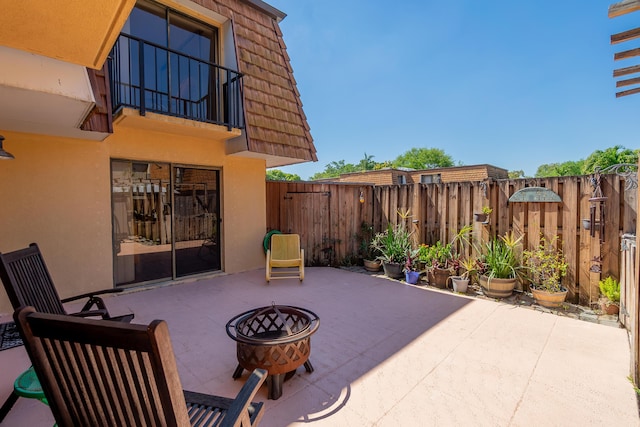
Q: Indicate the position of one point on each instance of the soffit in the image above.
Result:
(76, 31)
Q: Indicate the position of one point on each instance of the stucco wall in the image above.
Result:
(57, 192)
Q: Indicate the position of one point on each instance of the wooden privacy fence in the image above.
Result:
(328, 217)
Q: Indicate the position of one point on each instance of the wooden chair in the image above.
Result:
(27, 281)
(286, 256)
(116, 374)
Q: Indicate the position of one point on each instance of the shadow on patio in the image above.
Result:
(389, 354)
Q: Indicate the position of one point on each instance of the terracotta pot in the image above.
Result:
(438, 277)
(497, 288)
(393, 270)
(411, 277)
(549, 299)
(609, 307)
(459, 284)
(372, 265)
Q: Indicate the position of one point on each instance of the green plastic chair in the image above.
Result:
(26, 385)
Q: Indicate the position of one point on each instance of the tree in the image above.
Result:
(423, 158)
(569, 168)
(278, 175)
(516, 174)
(611, 156)
(335, 169)
(367, 163)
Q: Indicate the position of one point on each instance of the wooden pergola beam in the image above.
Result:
(627, 54)
(625, 36)
(623, 7)
(628, 92)
(626, 71)
(628, 82)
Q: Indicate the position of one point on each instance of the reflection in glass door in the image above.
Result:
(162, 231)
(196, 213)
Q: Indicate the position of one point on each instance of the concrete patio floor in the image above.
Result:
(388, 354)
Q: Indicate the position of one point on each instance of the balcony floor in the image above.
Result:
(388, 354)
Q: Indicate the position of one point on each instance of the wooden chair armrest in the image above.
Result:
(91, 294)
(90, 313)
(238, 408)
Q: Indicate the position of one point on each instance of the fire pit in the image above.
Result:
(276, 338)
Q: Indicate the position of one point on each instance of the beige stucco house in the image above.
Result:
(140, 133)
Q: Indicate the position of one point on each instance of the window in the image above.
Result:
(166, 62)
(402, 179)
(430, 179)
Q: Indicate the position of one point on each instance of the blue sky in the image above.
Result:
(511, 83)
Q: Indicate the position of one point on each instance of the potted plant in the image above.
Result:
(366, 251)
(441, 259)
(461, 282)
(410, 273)
(545, 268)
(610, 302)
(484, 215)
(500, 266)
(393, 244)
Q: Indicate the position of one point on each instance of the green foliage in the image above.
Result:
(610, 288)
(437, 255)
(609, 157)
(501, 258)
(335, 169)
(278, 175)
(487, 210)
(365, 237)
(516, 174)
(570, 168)
(443, 255)
(367, 163)
(423, 158)
(394, 244)
(546, 265)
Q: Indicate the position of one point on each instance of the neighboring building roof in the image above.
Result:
(389, 176)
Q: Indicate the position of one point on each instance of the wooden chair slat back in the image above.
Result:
(27, 281)
(98, 372)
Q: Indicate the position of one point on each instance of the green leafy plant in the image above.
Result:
(546, 265)
(501, 258)
(610, 288)
(487, 210)
(393, 244)
(469, 267)
(365, 238)
(442, 255)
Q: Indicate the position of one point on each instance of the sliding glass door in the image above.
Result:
(196, 215)
(165, 221)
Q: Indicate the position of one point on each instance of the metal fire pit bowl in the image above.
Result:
(276, 338)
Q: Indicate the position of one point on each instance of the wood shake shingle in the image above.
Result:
(275, 122)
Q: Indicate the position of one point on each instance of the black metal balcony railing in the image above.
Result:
(149, 77)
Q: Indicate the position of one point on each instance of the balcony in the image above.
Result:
(151, 78)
